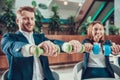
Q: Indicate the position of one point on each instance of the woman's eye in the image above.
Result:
(96, 29)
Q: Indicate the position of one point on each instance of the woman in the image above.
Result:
(97, 65)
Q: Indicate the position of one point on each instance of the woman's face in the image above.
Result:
(97, 32)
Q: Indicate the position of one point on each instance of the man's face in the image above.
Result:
(26, 21)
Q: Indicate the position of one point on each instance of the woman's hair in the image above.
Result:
(90, 27)
(25, 8)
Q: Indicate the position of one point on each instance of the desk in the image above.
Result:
(102, 79)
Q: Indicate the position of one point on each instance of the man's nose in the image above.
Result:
(29, 21)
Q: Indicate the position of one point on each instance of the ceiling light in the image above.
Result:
(80, 4)
(65, 3)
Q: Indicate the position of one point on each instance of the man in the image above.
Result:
(20, 49)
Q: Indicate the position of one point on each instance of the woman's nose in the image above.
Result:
(98, 31)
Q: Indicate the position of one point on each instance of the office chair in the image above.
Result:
(4, 75)
(78, 69)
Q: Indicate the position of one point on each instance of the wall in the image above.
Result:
(117, 13)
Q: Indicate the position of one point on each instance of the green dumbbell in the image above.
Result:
(39, 51)
(67, 47)
(82, 49)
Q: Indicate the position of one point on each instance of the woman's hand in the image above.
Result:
(88, 47)
(115, 48)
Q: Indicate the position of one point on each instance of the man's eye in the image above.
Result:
(32, 18)
(24, 18)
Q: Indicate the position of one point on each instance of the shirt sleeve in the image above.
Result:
(25, 50)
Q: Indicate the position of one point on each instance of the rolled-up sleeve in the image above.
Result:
(25, 50)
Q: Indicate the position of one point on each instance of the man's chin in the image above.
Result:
(29, 31)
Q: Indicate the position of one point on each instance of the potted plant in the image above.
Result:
(83, 28)
(8, 17)
(71, 24)
(38, 15)
(54, 20)
(113, 30)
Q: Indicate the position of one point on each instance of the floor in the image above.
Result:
(65, 72)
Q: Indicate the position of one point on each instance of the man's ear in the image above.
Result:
(17, 20)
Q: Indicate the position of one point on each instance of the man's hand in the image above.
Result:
(36, 51)
(50, 49)
(76, 46)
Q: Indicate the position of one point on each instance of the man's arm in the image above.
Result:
(10, 45)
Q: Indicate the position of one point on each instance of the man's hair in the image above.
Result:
(90, 27)
(25, 8)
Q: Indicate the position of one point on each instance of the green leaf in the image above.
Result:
(89, 19)
(42, 6)
(34, 4)
(55, 7)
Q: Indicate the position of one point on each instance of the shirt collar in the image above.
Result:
(26, 33)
